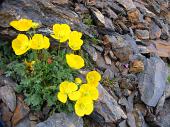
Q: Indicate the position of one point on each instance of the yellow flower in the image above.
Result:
(29, 65)
(66, 88)
(21, 44)
(84, 106)
(93, 77)
(35, 25)
(39, 42)
(22, 24)
(75, 41)
(61, 32)
(78, 80)
(87, 90)
(74, 61)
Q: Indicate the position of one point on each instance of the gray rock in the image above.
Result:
(108, 74)
(62, 120)
(24, 123)
(7, 81)
(131, 120)
(91, 52)
(142, 34)
(107, 107)
(43, 11)
(123, 124)
(152, 80)
(165, 115)
(7, 95)
(155, 31)
(128, 4)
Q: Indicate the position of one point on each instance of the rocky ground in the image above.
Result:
(128, 42)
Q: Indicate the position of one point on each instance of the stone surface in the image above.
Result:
(136, 66)
(128, 4)
(7, 81)
(155, 31)
(152, 80)
(62, 120)
(7, 95)
(142, 34)
(107, 107)
(24, 123)
(6, 115)
(20, 112)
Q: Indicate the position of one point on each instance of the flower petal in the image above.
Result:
(62, 97)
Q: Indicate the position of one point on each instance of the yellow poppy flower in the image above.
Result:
(84, 106)
(39, 42)
(75, 41)
(93, 77)
(61, 32)
(74, 95)
(78, 80)
(65, 89)
(22, 24)
(87, 90)
(21, 44)
(74, 61)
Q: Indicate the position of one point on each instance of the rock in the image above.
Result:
(20, 112)
(120, 48)
(98, 17)
(38, 10)
(7, 81)
(100, 62)
(134, 15)
(7, 95)
(128, 4)
(62, 120)
(167, 91)
(142, 34)
(165, 114)
(91, 52)
(111, 14)
(24, 123)
(59, 1)
(107, 60)
(6, 115)
(160, 47)
(152, 80)
(155, 31)
(131, 120)
(107, 107)
(109, 74)
(160, 104)
(108, 24)
(123, 124)
(136, 66)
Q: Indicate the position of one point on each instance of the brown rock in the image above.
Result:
(98, 17)
(107, 60)
(6, 114)
(20, 112)
(133, 15)
(160, 47)
(128, 4)
(136, 66)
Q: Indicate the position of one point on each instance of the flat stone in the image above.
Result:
(59, 1)
(7, 81)
(128, 4)
(62, 120)
(91, 52)
(98, 17)
(8, 96)
(155, 31)
(142, 34)
(123, 124)
(107, 60)
(109, 74)
(24, 123)
(20, 112)
(152, 80)
(107, 107)
(131, 120)
(134, 15)
(136, 66)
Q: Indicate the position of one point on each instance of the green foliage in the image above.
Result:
(40, 83)
(168, 78)
(87, 19)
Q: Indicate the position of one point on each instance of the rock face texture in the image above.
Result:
(62, 120)
(152, 81)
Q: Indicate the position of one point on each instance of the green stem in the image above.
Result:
(59, 48)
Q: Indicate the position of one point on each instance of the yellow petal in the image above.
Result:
(93, 77)
(78, 80)
(21, 44)
(62, 97)
(75, 44)
(74, 61)
(35, 25)
(74, 95)
(63, 86)
(22, 24)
